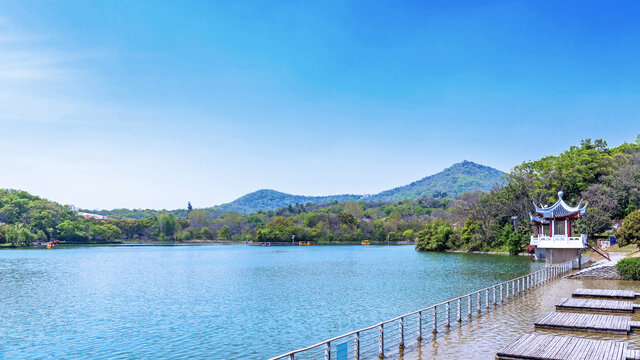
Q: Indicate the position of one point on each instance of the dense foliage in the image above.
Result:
(629, 268)
(25, 218)
(630, 232)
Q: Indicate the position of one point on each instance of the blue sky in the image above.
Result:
(153, 104)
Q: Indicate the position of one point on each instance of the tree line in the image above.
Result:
(608, 178)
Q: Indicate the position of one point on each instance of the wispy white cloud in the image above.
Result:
(39, 80)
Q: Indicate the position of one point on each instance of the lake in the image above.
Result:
(219, 301)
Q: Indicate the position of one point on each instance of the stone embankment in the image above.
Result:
(603, 269)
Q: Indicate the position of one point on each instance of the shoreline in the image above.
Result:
(488, 252)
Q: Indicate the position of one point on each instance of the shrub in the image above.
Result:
(629, 268)
(531, 249)
(630, 232)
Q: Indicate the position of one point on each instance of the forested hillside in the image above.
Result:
(457, 179)
(608, 178)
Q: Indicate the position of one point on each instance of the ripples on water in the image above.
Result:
(233, 302)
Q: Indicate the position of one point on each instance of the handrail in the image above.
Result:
(528, 281)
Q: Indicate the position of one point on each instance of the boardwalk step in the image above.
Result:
(537, 346)
(586, 322)
(633, 355)
(606, 293)
(596, 305)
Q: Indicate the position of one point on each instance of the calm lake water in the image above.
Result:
(219, 301)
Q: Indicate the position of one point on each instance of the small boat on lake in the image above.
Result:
(365, 242)
(306, 243)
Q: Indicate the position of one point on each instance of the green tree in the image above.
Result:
(71, 231)
(198, 218)
(470, 228)
(594, 221)
(630, 232)
(225, 232)
(25, 238)
(207, 233)
(515, 243)
(167, 225)
(434, 236)
(408, 235)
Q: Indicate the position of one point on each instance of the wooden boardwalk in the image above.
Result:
(587, 322)
(597, 305)
(606, 293)
(548, 347)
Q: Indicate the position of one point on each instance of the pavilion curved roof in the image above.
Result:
(536, 219)
(560, 209)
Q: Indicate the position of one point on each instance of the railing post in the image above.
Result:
(435, 319)
(459, 311)
(356, 347)
(513, 289)
(327, 351)
(291, 357)
(494, 296)
(478, 302)
(401, 334)
(448, 315)
(381, 341)
(486, 299)
(501, 295)
(419, 326)
(469, 305)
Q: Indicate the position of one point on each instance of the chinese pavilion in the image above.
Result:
(555, 236)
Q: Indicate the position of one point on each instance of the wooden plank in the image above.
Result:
(515, 343)
(605, 293)
(569, 348)
(543, 347)
(585, 322)
(596, 305)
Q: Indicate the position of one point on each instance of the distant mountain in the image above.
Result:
(270, 200)
(459, 178)
(456, 179)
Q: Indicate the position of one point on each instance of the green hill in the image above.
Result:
(456, 179)
(270, 200)
(459, 178)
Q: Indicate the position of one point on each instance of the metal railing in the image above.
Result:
(393, 337)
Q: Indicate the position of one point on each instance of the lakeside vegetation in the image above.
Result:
(609, 178)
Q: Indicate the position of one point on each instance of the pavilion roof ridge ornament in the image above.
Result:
(559, 209)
